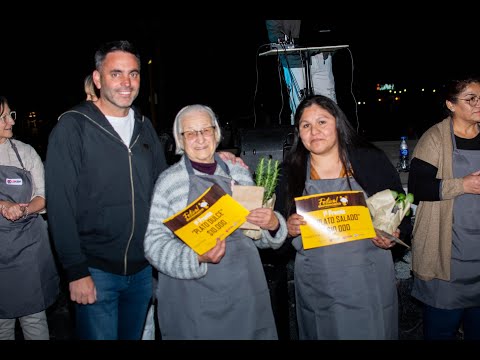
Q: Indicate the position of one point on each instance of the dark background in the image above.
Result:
(201, 58)
(210, 56)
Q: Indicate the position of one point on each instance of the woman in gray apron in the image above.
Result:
(346, 290)
(28, 276)
(451, 300)
(222, 294)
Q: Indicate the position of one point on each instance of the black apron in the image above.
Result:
(28, 275)
(345, 291)
(232, 301)
(463, 289)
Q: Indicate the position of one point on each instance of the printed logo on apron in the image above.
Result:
(14, 181)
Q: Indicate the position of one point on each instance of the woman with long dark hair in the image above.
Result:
(346, 290)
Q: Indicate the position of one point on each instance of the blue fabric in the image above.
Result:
(121, 307)
(443, 324)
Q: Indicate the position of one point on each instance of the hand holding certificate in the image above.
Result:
(334, 218)
(213, 215)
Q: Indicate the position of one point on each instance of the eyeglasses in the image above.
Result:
(12, 115)
(472, 101)
(192, 134)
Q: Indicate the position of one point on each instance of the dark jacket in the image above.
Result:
(99, 191)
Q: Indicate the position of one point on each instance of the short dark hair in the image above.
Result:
(452, 88)
(111, 46)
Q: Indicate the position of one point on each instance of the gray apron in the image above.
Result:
(463, 289)
(232, 301)
(28, 276)
(345, 291)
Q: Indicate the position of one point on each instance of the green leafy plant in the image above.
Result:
(401, 200)
(266, 175)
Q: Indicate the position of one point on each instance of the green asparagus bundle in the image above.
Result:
(266, 175)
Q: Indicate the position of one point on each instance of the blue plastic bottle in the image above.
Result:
(404, 164)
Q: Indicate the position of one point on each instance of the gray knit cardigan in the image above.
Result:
(166, 252)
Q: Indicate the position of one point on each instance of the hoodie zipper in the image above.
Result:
(132, 191)
(125, 256)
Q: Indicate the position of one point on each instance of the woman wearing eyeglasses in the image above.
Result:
(445, 179)
(28, 275)
(222, 294)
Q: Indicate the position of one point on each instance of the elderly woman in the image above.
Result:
(223, 293)
(28, 275)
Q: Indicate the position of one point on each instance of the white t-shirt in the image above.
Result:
(123, 126)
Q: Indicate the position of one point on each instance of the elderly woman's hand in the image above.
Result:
(215, 254)
(264, 217)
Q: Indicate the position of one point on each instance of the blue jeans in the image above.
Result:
(442, 324)
(121, 307)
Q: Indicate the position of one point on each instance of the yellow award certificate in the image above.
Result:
(214, 214)
(334, 218)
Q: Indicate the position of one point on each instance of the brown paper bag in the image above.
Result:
(250, 197)
(257, 234)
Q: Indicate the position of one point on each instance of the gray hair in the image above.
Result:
(178, 126)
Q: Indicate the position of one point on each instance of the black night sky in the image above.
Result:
(213, 60)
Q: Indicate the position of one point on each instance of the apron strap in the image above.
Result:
(222, 164)
(14, 147)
